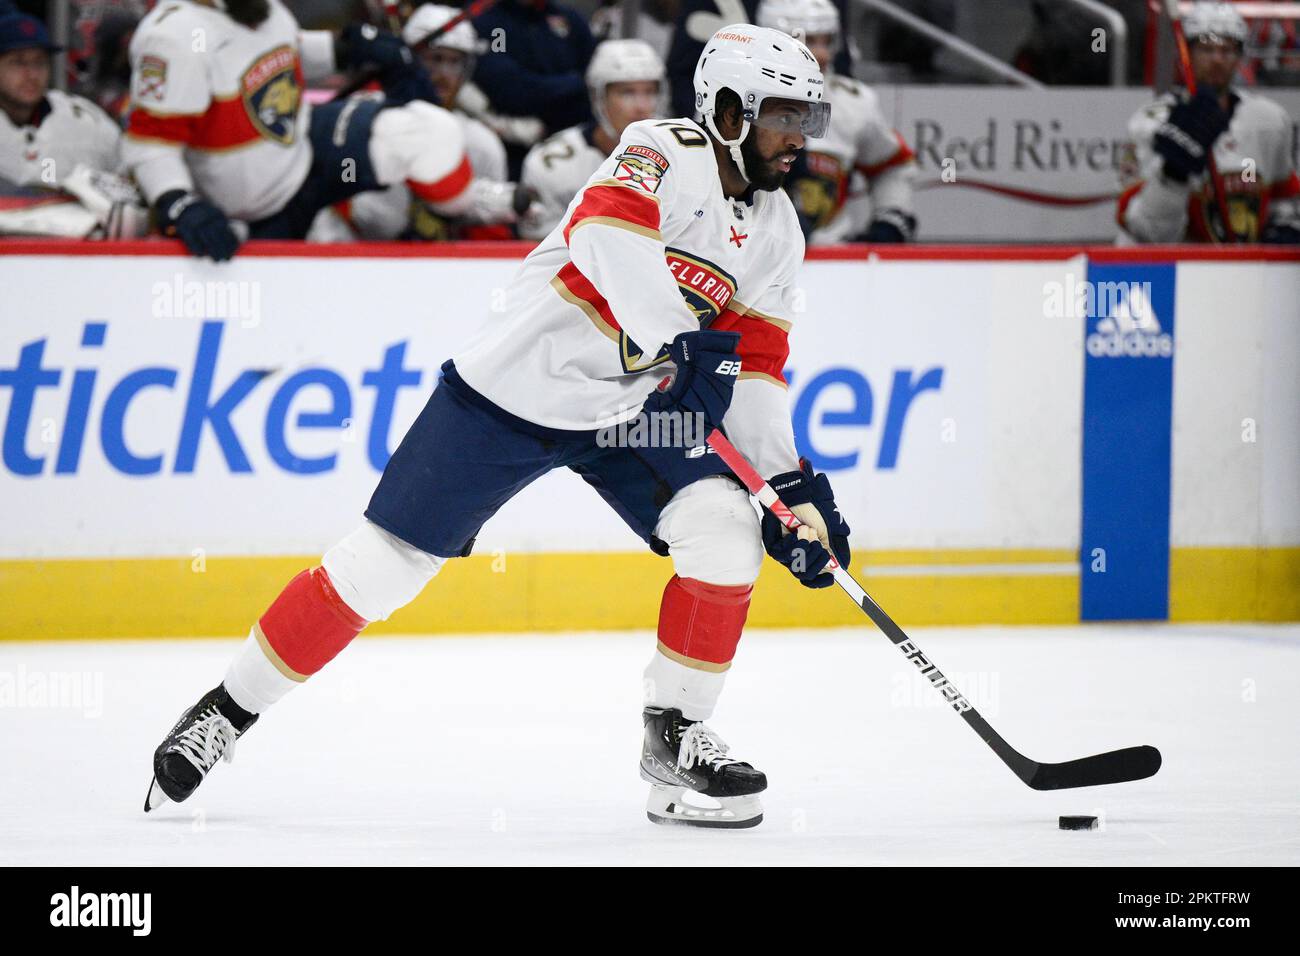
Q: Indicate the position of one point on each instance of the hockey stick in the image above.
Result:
(1117, 766)
(1189, 81)
(365, 79)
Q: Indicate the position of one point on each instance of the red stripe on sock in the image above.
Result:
(308, 624)
(703, 621)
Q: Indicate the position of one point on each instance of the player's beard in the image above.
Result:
(761, 171)
(248, 12)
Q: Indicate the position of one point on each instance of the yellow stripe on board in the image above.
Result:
(162, 597)
(1234, 584)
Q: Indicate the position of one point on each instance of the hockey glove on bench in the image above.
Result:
(203, 227)
(810, 497)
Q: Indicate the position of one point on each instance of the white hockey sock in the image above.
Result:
(252, 681)
(670, 684)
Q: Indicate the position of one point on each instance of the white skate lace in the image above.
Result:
(207, 740)
(701, 745)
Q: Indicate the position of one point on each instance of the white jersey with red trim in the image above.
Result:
(1254, 159)
(388, 213)
(859, 143)
(68, 131)
(555, 169)
(217, 107)
(649, 248)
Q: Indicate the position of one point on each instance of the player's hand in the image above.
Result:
(707, 368)
(890, 225)
(203, 227)
(1281, 233)
(1184, 140)
(825, 532)
(363, 46)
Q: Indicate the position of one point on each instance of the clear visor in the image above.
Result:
(1215, 43)
(793, 116)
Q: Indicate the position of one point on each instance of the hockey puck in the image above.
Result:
(1078, 823)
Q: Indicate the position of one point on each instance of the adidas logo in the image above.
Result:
(1131, 329)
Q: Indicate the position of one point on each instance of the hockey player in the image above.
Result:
(57, 143)
(1168, 195)
(677, 262)
(860, 146)
(45, 133)
(395, 212)
(219, 127)
(625, 82)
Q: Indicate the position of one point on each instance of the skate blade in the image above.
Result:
(155, 798)
(667, 806)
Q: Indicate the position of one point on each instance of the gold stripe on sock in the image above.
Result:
(691, 662)
(274, 658)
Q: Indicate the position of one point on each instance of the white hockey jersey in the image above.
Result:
(555, 169)
(68, 131)
(859, 144)
(1254, 159)
(386, 214)
(649, 248)
(217, 107)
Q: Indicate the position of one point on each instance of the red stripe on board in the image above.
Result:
(850, 252)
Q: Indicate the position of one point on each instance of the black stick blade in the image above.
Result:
(1118, 766)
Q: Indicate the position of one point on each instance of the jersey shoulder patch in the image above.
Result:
(640, 166)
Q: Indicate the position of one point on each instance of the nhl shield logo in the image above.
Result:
(272, 92)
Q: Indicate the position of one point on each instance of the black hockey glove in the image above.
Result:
(203, 227)
(1184, 140)
(1281, 233)
(362, 46)
(890, 225)
(707, 367)
(807, 559)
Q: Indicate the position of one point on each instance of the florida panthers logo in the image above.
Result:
(707, 290)
(272, 90)
(821, 190)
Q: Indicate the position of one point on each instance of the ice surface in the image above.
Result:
(523, 750)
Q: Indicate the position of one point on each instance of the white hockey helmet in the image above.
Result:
(800, 18)
(621, 61)
(757, 64)
(431, 17)
(1219, 21)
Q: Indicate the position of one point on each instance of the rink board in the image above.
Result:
(174, 430)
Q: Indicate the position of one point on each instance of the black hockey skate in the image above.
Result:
(205, 734)
(677, 756)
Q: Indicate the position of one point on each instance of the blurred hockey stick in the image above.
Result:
(365, 79)
(1189, 81)
(1117, 766)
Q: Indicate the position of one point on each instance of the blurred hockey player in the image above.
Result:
(219, 129)
(625, 81)
(656, 310)
(396, 212)
(1168, 195)
(855, 183)
(59, 153)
